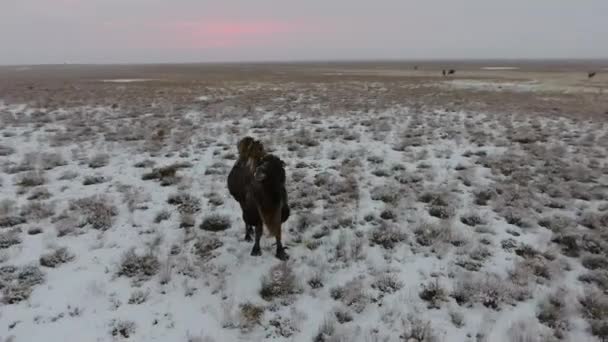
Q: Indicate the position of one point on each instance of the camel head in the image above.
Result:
(244, 145)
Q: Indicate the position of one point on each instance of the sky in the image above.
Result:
(150, 31)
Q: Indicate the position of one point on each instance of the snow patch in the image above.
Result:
(128, 80)
(499, 68)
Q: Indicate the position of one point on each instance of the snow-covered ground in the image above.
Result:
(527, 86)
(128, 80)
(499, 68)
(405, 226)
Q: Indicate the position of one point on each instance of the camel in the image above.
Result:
(269, 198)
(239, 179)
(257, 182)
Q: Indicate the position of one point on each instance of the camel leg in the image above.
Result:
(280, 249)
(248, 233)
(256, 251)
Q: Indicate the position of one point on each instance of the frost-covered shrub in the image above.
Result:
(56, 258)
(215, 223)
(139, 266)
(279, 283)
(186, 203)
(31, 178)
(99, 160)
(97, 211)
(205, 245)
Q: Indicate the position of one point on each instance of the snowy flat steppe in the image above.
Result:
(408, 224)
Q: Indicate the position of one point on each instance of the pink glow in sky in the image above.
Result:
(203, 33)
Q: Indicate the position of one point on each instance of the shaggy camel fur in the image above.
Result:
(239, 180)
(262, 197)
(269, 196)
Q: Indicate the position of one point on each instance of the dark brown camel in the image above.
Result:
(240, 178)
(591, 74)
(269, 198)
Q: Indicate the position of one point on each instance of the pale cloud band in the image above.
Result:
(107, 31)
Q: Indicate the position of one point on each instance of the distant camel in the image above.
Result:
(451, 72)
(443, 72)
(591, 74)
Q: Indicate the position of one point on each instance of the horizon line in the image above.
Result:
(317, 61)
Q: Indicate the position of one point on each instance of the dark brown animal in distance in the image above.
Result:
(240, 179)
(591, 74)
(269, 196)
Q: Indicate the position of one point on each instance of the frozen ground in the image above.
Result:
(408, 224)
(527, 86)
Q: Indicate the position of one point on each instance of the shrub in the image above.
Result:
(428, 234)
(489, 291)
(594, 305)
(482, 197)
(250, 315)
(99, 160)
(594, 220)
(343, 316)
(68, 175)
(352, 294)
(204, 247)
(551, 312)
(387, 283)
(11, 221)
(139, 297)
(96, 211)
(186, 203)
(279, 283)
(471, 220)
(6, 150)
(34, 231)
(17, 283)
(96, 179)
(316, 281)
(50, 161)
(163, 215)
(442, 212)
(417, 330)
(56, 258)
(386, 236)
(594, 262)
(326, 331)
(166, 174)
(39, 194)
(526, 251)
(145, 163)
(31, 179)
(387, 194)
(215, 223)
(597, 277)
(186, 221)
(124, 329)
(37, 210)
(556, 223)
(457, 318)
(569, 244)
(434, 294)
(140, 266)
(10, 238)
